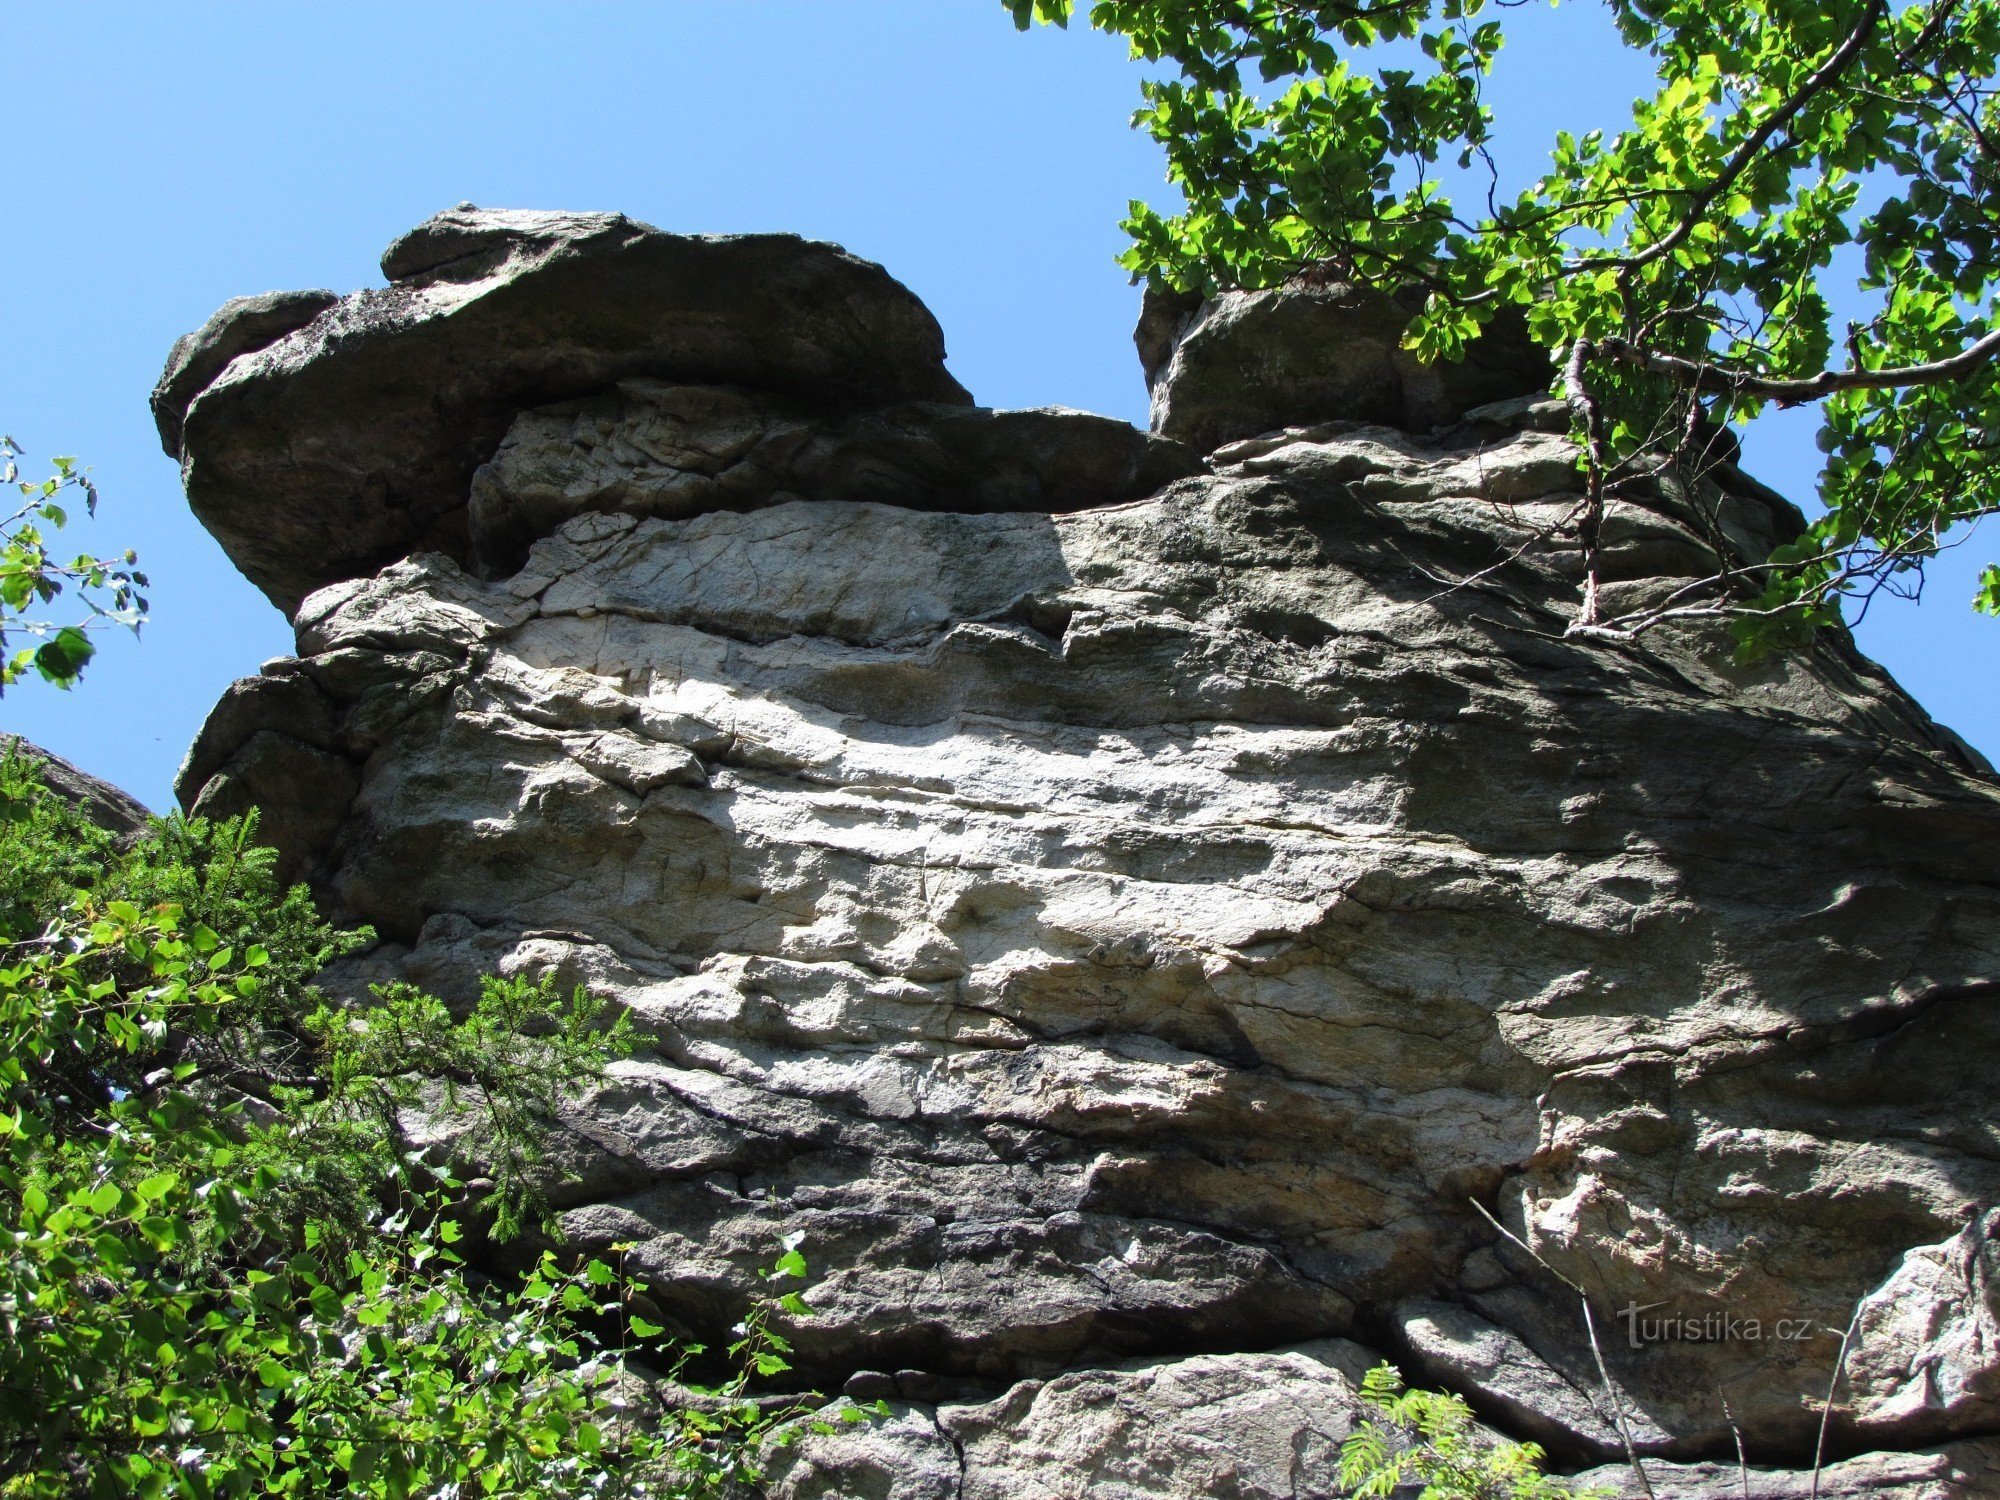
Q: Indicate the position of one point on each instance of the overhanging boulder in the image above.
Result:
(348, 441)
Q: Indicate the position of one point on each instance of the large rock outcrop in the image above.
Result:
(1136, 916)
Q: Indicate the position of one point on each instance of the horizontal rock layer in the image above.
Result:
(1128, 938)
(1254, 1427)
(648, 448)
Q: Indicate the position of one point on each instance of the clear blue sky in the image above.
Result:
(165, 158)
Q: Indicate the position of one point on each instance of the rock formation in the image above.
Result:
(115, 811)
(1136, 908)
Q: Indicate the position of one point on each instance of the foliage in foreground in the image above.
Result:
(1684, 270)
(1423, 1437)
(107, 590)
(222, 1273)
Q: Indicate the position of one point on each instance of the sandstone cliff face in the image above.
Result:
(1124, 905)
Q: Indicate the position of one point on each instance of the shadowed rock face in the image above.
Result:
(111, 809)
(647, 448)
(1244, 363)
(321, 438)
(1132, 933)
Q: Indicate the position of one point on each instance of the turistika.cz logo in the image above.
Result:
(1719, 1327)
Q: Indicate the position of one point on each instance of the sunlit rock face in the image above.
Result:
(1136, 911)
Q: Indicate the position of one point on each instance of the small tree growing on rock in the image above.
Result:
(1407, 1439)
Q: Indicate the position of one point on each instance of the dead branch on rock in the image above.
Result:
(1596, 1349)
(1832, 1386)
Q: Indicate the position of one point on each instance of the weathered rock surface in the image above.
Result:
(1927, 1356)
(107, 806)
(242, 325)
(1958, 1471)
(349, 441)
(1247, 362)
(1129, 938)
(1249, 1426)
(1254, 1426)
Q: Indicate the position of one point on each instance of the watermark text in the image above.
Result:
(1657, 1323)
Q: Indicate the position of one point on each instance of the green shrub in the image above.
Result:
(48, 849)
(1429, 1438)
(223, 1273)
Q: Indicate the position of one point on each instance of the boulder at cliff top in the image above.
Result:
(242, 325)
(1247, 362)
(348, 441)
(1127, 941)
(321, 438)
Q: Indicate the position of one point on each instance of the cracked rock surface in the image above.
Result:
(1136, 917)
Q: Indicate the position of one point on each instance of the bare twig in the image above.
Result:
(1538, 536)
(1713, 379)
(1597, 455)
(1596, 1349)
(1876, 568)
(1742, 1462)
(1833, 1385)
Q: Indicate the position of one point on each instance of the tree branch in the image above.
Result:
(1740, 159)
(1597, 453)
(1721, 381)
